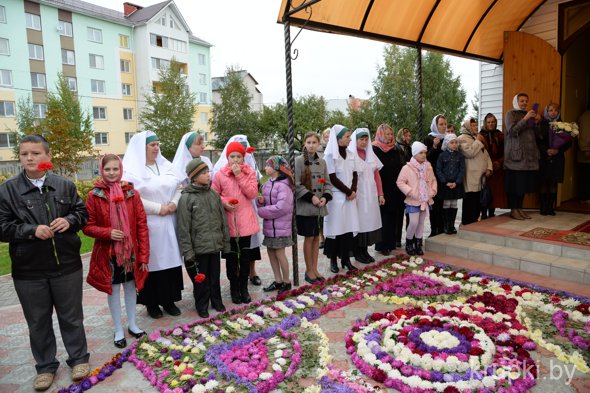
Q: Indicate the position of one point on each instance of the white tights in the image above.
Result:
(115, 307)
(416, 226)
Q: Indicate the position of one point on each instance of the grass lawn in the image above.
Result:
(87, 243)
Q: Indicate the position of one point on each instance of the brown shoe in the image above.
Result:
(80, 371)
(523, 214)
(43, 381)
(514, 214)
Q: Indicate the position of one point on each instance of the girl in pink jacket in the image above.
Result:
(416, 180)
(237, 185)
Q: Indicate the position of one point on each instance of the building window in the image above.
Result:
(99, 112)
(204, 117)
(68, 57)
(94, 35)
(2, 14)
(173, 24)
(123, 41)
(6, 78)
(159, 64)
(6, 109)
(128, 113)
(7, 139)
(38, 80)
(96, 61)
(35, 52)
(40, 110)
(65, 28)
(201, 59)
(72, 83)
(128, 136)
(203, 98)
(126, 87)
(4, 46)
(101, 138)
(33, 21)
(158, 40)
(97, 86)
(162, 20)
(125, 65)
(203, 79)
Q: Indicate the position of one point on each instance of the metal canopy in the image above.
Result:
(469, 28)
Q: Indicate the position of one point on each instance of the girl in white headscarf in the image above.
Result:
(342, 222)
(256, 239)
(191, 146)
(369, 196)
(155, 179)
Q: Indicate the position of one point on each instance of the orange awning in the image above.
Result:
(468, 28)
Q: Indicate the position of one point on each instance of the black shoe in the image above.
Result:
(136, 335)
(122, 343)
(219, 307)
(203, 313)
(272, 287)
(319, 278)
(309, 279)
(346, 264)
(172, 309)
(418, 244)
(244, 295)
(286, 286)
(410, 250)
(398, 244)
(360, 258)
(385, 253)
(246, 298)
(255, 280)
(235, 293)
(334, 266)
(155, 312)
(368, 256)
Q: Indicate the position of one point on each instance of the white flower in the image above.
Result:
(265, 376)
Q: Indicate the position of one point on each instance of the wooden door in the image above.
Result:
(532, 66)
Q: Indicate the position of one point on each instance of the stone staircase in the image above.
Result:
(551, 259)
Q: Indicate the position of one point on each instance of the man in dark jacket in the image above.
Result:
(40, 215)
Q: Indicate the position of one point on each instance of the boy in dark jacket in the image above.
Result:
(40, 215)
(203, 233)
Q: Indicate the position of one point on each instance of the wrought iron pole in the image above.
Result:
(290, 139)
(419, 83)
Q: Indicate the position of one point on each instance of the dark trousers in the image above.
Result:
(388, 230)
(37, 299)
(584, 181)
(471, 208)
(436, 217)
(235, 275)
(210, 288)
(515, 200)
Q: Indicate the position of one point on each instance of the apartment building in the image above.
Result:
(110, 58)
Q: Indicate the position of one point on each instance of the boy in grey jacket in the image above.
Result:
(202, 233)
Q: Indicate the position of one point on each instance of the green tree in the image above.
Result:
(169, 108)
(233, 115)
(395, 90)
(67, 127)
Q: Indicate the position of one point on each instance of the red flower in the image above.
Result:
(200, 277)
(45, 166)
(321, 180)
(250, 149)
(475, 351)
(584, 308)
(118, 199)
(233, 202)
(451, 389)
(377, 316)
(555, 299)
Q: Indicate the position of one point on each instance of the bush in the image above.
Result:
(3, 178)
(84, 187)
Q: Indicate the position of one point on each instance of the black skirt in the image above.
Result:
(339, 247)
(309, 226)
(367, 239)
(162, 287)
(120, 276)
(521, 182)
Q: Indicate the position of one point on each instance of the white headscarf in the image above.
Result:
(183, 157)
(332, 151)
(515, 102)
(249, 159)
(434, 129)
(134, 161)
(448, 138)
(370, 156)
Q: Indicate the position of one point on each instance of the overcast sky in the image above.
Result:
(245, 33)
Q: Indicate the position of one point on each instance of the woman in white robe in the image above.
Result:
(191, 146)
(256, 239)
(342, 222)
(158, 185)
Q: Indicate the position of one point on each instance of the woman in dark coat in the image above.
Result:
(493, 140)
(552, 147)
(387, 152)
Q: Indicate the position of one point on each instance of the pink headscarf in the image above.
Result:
(380, 140)
(119, 217)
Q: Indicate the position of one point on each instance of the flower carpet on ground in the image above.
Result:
(444, 330)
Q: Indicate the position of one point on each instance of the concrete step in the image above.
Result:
(560, 262)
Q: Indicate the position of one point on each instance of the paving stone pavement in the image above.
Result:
(17, 365)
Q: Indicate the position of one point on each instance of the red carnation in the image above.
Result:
(200, 278)
(584, 308)
(321, 180)
(250, 149)
(475, 351)
(451, 389)
(233, 202)
(45, 166)
(118, 199)
(376, 316)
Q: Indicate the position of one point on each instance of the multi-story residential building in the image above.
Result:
(111, 60)
(251, 85)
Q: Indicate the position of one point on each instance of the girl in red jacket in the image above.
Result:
(120, 254)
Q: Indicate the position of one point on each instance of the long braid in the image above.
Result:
(306, 175)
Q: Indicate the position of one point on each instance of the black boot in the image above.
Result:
(543, 201)
(334, 265)
(346, 264)
(551, 198)
(368, 256)
(418, 244)
(244, 295)
(359, 254)
(235, 292)
(445, 217)
(452, 215)
(410, 247)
